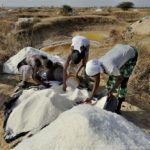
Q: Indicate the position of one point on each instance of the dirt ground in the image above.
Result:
(54, 29)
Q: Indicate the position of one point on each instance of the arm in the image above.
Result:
(95, 87)
(65, 71)
(118, 80)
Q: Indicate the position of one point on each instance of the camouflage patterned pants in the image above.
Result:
(125, 71)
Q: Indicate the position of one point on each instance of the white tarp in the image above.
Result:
(10, 66)
(85, 127)
(36, 108)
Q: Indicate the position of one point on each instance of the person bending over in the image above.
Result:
(77, 58)
(118, 63)
(31, 65)
(51, 72)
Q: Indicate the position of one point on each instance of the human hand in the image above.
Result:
(88, 100)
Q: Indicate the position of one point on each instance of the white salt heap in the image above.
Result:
(72, 82)
(142, 26)
(88, 128)
(35, 109)
(10, 66)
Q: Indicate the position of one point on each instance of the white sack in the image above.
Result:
(88, 128)
(35, 109)
(10, 66)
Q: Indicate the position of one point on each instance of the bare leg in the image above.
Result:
(26, 72)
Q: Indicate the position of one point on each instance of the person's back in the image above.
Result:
(32, 58)
(115, 58)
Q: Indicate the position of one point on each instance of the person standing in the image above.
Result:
(118, 63)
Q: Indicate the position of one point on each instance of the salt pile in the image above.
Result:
(10, 66)
(142, 26)
(88, 128)
(36, 108)
(72, 82)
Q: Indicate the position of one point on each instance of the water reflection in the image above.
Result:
(91, 35)
(62, 49)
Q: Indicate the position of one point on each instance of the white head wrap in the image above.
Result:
(93, 67)
(79, 41)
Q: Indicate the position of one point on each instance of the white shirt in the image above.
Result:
(79, 41)
(113, 60)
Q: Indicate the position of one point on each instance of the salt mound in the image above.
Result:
(142, 26)
(88, 128)
(72, 82)
(10, 66)
(35, 109)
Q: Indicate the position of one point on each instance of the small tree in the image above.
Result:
(66, 10)
(125, 5)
